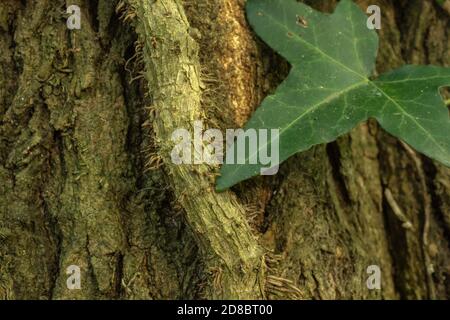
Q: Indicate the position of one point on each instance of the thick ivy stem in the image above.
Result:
(230, 250)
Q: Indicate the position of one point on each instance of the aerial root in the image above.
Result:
(125, 11)
(282, 287)
(276, 285)
(154, 162)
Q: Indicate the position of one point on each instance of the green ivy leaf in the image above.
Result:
(329, 90)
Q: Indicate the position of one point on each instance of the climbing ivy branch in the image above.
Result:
(330, 88)
(172, 68)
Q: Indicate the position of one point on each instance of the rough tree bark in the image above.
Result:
(86, 177)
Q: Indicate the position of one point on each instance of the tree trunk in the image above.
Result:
(86, 118)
